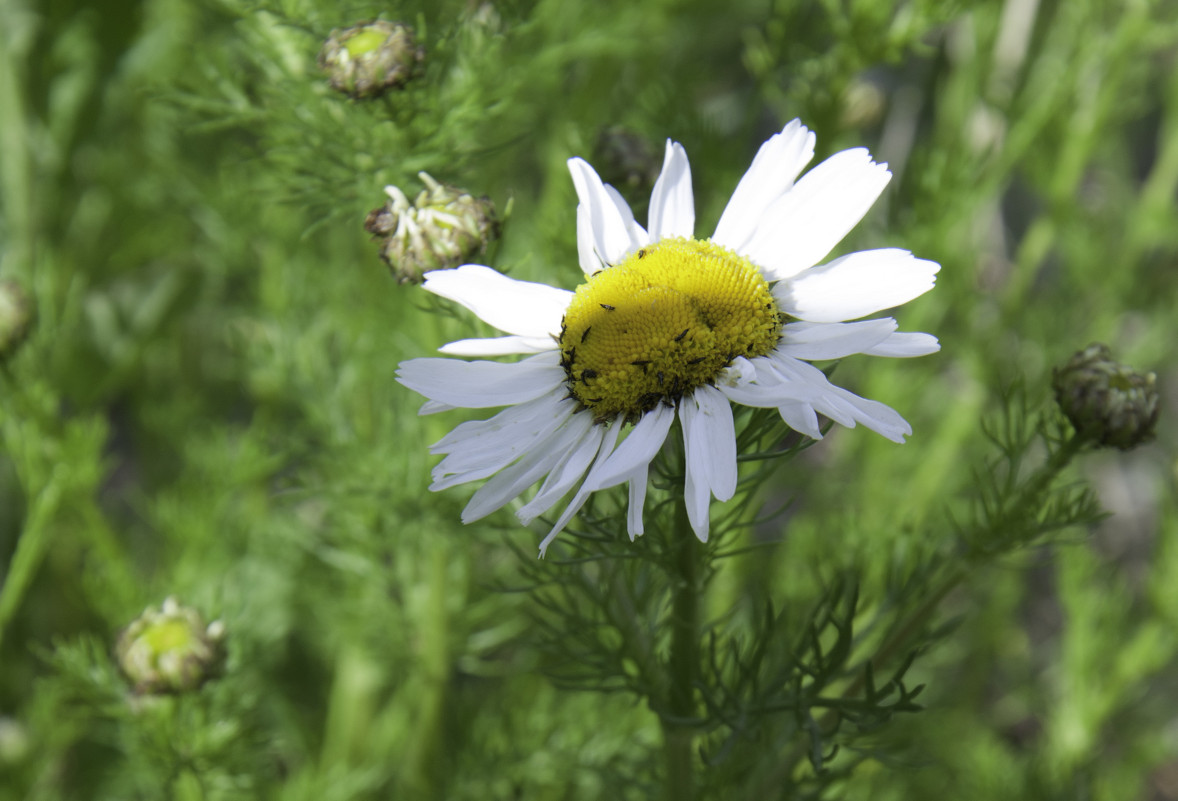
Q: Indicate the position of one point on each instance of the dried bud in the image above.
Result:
(444, 227)
(1108, 403)
(16, 317)
(170, 650)
(371, 58)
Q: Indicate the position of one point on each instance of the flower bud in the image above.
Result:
(864, 104)
(1108, 403)
(370, 59)
(17, 315)
(170, 649)
(15, 743)
(627, 160)
(443, 227)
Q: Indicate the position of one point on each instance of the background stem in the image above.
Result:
(679, 719)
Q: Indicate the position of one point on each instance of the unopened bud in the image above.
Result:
(864, 104)
(627, 160)
(16, 317)
(1108, 403)
(15, 743)
(443, 227)
(170, 649)
(371, 58)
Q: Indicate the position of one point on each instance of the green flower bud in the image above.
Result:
(1108, 403)
(444, 227)
(864, 104)
(17, 315)
(370, 59)
(15, 743)
(170, 649)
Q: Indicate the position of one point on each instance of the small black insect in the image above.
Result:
(586, 333)
(683, 333)
(587, 374)
(697, 361)
(659, 376)
(643, 363)
(606, 306)
(641, 254)
(593, 400)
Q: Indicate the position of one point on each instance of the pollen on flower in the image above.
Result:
(665, 321)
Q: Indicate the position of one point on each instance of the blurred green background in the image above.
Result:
(206, 407)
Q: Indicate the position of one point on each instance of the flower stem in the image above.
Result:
(679, 718)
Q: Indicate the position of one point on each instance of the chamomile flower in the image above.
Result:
(667, 326)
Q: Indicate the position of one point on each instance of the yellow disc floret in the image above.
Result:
(666, 320)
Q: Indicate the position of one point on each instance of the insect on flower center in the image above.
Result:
(666, 320)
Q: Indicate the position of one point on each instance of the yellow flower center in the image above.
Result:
(666, 320)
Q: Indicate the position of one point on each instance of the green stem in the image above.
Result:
(426, 762)
(16, 175)
(679, 719)
(30, 549)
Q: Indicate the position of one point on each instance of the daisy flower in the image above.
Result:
(668, 326)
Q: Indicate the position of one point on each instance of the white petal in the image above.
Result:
(804, 224)
(840, 405)
(591, 263)
(773, 172)
(609, 437)
(770, 388)
(508, 483)
(793, 371)
(904, 345)
(714, 421)
(517, 307)
(879, 418)
(637, 499)
(817, 341)
(636, 232)
(709, 440)
(472, 439)
(482, 384)
(499, 346)
(433, 407)
(480, 448)
(801, 417)
(855, 285)
(567, 471)
(737, 374)
(639, 448)
(672, 206)
(696, 494)
(614, 231)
